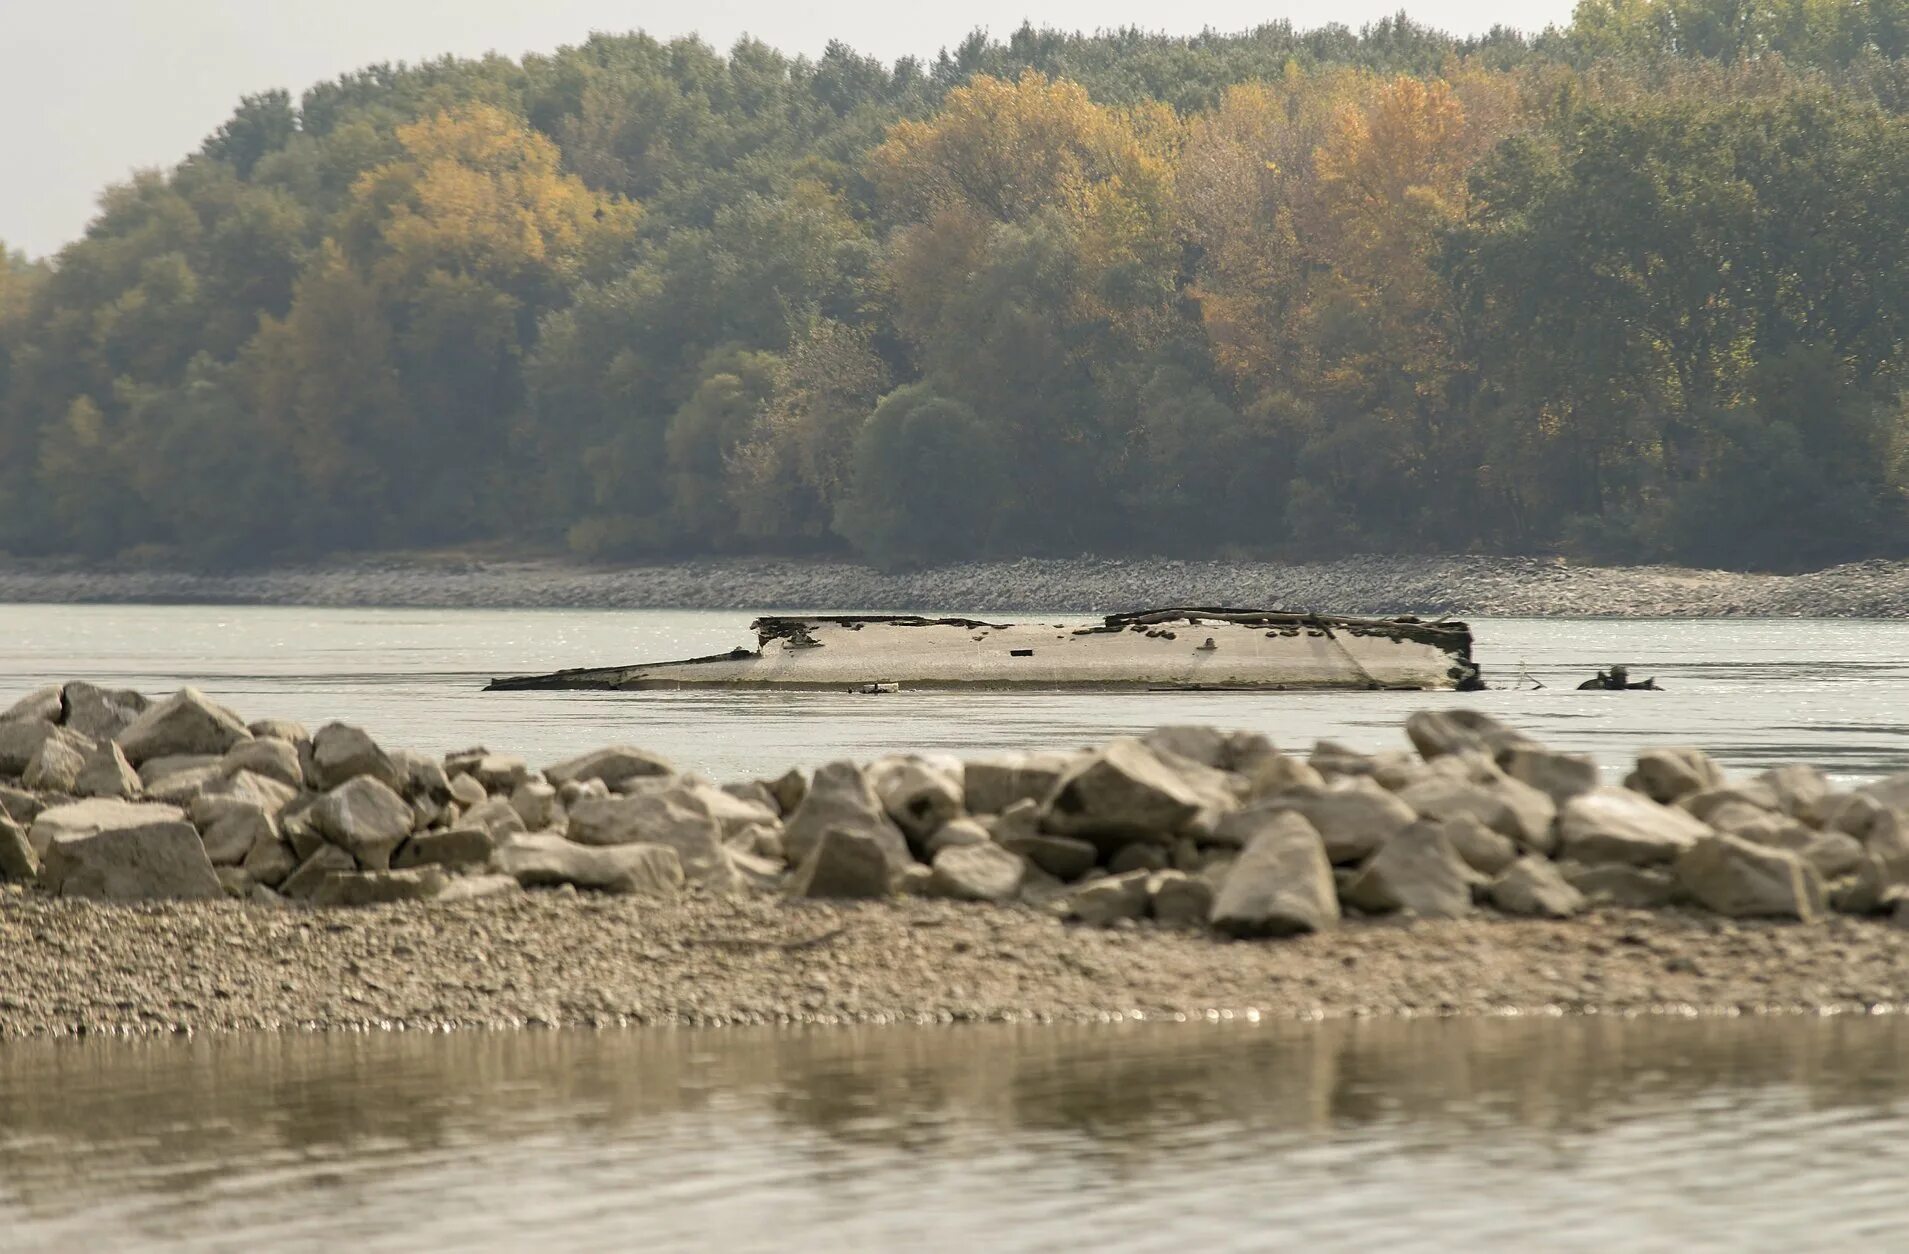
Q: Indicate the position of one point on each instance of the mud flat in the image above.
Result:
(166, 866)
(1366, 585)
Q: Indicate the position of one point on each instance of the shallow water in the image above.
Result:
(1555, 1134)
(1754, 692)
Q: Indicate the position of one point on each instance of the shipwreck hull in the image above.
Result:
(1174, 649)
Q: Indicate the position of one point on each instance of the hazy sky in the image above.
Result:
(94, 89)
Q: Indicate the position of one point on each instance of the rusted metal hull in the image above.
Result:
(1173, 649)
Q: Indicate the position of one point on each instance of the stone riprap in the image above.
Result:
(1191, 835)
(1464, 585)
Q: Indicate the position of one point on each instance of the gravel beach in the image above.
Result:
(1368, 585)
(554, 959)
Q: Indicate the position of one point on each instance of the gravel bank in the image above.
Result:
(1371, 585)
(551, 959)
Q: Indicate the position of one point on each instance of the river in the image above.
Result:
(1752, 691)
(1561, 1134)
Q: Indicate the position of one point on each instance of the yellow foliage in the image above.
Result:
(479, 193)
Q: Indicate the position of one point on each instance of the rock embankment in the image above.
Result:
(177, 816)
(1508, 586)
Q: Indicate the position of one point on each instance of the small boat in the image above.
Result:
(1165, 649)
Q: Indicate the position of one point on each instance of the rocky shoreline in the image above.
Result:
(171, 868)
(1502, 586)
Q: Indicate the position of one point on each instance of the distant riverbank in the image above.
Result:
(1497, 586)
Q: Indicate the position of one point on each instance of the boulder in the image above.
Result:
(122, 851)
(455, 847)
(1618, 825)
(269, 795)
(1418, 872)
(235, 881)
(21, 807)
(57, 763)
(1022, 819)
(479, 887)
(365, 818)
(1110, 899)
(754, 871)
(20, 739)
(676, 818)
(1664, 775)
(101, 713)
(1063, 857)
(1435, 733)
(1120, 794)
(733, 814)
(341, 752)
(1484, 851)
(271, 862)
(1139, 856)
(499, 773)
(1506, 806)
(1354, 819)
(42, 705)
(1559, 776)
(1281, 884)
(18, 862)
(919, 796)
(983, 872)
(850, 862)
(187, 722)
(1176, 899)
(1535, 887)
(953, 834)
(497, 816)
(230, 828)
(840, 796)
(421, 777)
(547, 860)
(1615, 883)
(280, 729)
(1205, 745)
(1733, 877)
(1333, 760)
(107, 773)
(1283, 774)
(378, 888)
(467, 792)
(992, 784)
(324, 861)
(180, 782)
(612, 766)
(788, 789)
(1799, 790)
(536, 804)
(1882, 875)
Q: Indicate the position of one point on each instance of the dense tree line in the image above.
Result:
(1631, 289)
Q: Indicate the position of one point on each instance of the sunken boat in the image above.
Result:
(1165, 649)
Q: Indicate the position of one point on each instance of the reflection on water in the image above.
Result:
(1581, 1134)
(1754, 692)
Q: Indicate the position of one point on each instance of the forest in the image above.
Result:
(1633, 289)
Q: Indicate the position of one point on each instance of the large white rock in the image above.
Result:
(365, 818)
(267, 756)
(676, 818)
(1121, 793)
(543, 860)
(341, 752)
(918, 795)
(57, 763)
(1560, 776)
(1435, 733)
(107, 773)
(378, 888)
(42, 705)
(1354, 819)
(840, 796)
(1664, 775)
(844, 862)
(1535, 887)
(121, 851)
(983, 872)
(187, 722)
(101, 713)
(20, 739)
(1419, 872)
(1734, 877)
(612, 765)
(1280, 885)
(994, 783)
(1618, 825)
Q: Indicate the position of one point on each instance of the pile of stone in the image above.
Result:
(121, 798)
